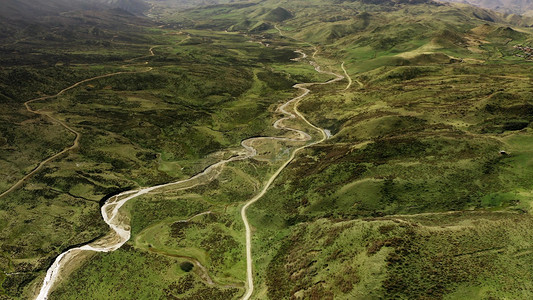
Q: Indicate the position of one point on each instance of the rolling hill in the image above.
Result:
(28, 9)
(404, 172)
(521, 7)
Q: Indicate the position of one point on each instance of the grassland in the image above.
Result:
(367, 213)
(411, 198)
(406, 147)
(204, 93)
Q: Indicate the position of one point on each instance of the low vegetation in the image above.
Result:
(166, 118)
(422, 192)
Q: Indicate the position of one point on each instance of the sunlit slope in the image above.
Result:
(29, 9)
(524, 7)
(423, 190)
(381, 32)
(413, 197)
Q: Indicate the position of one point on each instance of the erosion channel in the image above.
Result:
(120, 229)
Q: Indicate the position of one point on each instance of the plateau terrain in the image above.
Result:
(276, 149)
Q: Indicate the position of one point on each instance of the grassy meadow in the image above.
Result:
(166, 118)
(422, 192)
(412, 197)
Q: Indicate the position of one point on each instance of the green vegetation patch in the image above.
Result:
(110, 275)
(428, 256)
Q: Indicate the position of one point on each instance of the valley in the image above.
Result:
(266, 150)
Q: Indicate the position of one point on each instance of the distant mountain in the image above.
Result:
(132, 6)
(339, 19)
(522, 7)
(27, 9)
(19, 9)
(69, 20)
(184, 4)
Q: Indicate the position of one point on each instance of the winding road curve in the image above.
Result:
(350, 81)
(75, 143)
(304, 88)
(347, 76)
(296, 100)
(119, 224)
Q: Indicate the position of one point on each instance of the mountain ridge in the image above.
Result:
(522, 7)
(28, 9)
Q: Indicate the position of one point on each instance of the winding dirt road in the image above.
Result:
(119, 223)
(304, 88)
(350, 81)
(75, 143)
(347, 76)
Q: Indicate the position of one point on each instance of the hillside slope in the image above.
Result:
(522, 7)
(416, 195)
(416, 181)
(28, 9)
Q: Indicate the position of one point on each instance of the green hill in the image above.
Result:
(422, 189)
(411, 198)
(279, 14)
(26, 9)
(505, 6)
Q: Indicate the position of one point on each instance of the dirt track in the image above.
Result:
(119, 224)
